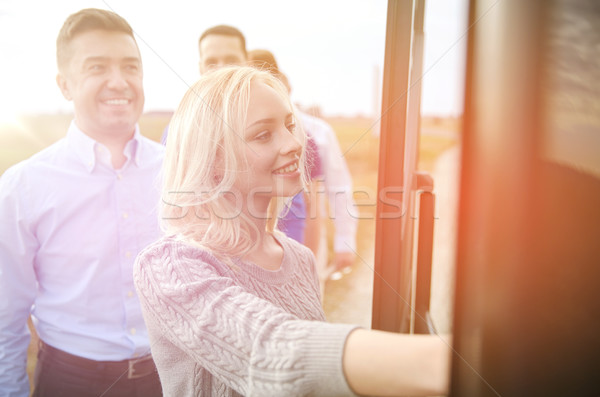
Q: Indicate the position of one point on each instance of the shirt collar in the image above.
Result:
(86, 148)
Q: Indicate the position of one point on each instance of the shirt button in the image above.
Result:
(119, 176)
(128, 254)
(132, 330)
(130, 294)
(125, 215)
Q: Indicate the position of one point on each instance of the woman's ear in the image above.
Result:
(218, 167)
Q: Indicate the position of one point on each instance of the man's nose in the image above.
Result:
(116, 79)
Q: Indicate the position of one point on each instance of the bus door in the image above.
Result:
(405, 195)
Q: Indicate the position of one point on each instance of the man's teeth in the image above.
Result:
(117, 102)
(289, 168)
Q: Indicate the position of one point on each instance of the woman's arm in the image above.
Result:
(388, 364)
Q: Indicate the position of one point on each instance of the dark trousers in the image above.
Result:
(58, 373)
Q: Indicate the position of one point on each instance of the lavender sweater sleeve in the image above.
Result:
(237, 329)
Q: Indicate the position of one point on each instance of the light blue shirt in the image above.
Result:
(70, 229)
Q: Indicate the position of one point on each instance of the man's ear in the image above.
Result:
(62, 83)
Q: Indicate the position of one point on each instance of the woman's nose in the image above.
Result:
(292, 143)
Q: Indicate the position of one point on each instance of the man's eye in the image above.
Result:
(96, 68)
(233, 61)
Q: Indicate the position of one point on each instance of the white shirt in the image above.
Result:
(71, 229)
(338, 182)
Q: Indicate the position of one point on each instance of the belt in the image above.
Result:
(135, 368)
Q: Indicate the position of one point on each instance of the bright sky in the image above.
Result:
(331, 50)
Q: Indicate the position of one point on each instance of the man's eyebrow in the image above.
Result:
(93, 59)
(131, 59)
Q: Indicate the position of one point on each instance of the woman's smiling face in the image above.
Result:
(271, 145)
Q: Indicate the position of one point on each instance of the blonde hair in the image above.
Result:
(204, 158)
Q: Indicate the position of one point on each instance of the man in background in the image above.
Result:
(220, 46)
(74, 217)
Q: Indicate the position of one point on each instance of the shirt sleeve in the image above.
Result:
(313, 159)
(165, 134)
(338, 185)
(17, 283)
(250, 344)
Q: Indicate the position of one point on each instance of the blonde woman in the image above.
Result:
(231, 304)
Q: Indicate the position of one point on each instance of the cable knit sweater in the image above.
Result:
(221, 329)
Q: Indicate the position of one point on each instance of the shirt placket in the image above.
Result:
(128, 246)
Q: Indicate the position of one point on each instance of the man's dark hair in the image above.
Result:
(224, 30)
(83, 21)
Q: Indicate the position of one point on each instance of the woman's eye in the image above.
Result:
(263, 136)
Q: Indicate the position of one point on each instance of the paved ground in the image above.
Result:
(349, 299)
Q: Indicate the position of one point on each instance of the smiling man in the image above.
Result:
(74, 217)
(101, 72)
